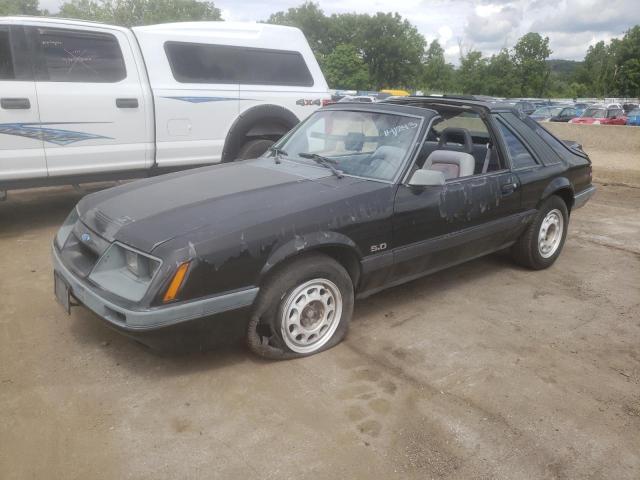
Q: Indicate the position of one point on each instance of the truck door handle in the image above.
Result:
(15, 103)
(509, 188)
(127, 102)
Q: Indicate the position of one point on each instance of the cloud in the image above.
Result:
(590, 16)
(491, 25)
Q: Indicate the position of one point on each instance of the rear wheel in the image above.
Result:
(303, 309)
(542, 241)
(254, 148)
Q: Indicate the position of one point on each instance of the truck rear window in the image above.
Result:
(206, 63)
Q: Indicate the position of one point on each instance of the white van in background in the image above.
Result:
(82, 101)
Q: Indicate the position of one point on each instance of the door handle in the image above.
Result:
(127, 102)
(15, 103)
(509, 188)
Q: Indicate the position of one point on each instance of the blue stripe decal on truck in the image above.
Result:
(208, 99)
(56, 136)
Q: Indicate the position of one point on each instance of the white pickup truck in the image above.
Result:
(84, 101)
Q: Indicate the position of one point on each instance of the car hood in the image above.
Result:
(146, 213)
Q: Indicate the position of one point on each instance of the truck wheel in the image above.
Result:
(303, 309)
(254, 148)
(541, 243)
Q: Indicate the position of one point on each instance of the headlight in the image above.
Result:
(66, 228)
(125, 272)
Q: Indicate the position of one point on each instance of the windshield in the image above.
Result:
(363, 144)
(541, 111)
(594, 112)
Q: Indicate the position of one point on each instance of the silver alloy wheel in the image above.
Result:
(311, 314)
(550, 233)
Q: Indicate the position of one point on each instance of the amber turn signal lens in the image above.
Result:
(176, 282)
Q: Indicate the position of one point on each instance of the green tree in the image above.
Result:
(309, 18)
(392, 48)
(20, 7)
(501, 76)
(344, 68)
(627, 59)
(529, 56)
(472, 73)
(140, 12)
(438, 74)
(597, 70)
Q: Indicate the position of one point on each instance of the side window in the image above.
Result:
(79, 56)
(205, 63)
(6, 58)
(520, 156)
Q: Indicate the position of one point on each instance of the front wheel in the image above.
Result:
(541, 243)
(303, 309)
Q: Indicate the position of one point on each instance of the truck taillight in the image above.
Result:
(327, 101)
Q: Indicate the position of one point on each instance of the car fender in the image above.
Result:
(556, 185)
(312, 241)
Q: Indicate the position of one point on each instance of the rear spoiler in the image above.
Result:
(575, 147)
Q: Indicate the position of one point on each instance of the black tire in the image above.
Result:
(254, 148)
(264, 335)
(526, 251)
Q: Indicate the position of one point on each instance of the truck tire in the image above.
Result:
(304, 308)
(254, 148)
(541, 243)
(262, 122)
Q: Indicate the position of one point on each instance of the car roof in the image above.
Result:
(463, 101)
(384, 107)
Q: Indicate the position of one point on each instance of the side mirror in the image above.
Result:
(426, 178)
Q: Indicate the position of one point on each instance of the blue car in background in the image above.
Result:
(633, 117)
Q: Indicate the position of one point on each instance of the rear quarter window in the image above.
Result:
(207, 63)
(518, 152)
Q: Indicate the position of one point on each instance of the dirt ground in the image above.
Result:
(486, 370)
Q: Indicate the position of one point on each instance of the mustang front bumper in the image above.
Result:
(145, 319)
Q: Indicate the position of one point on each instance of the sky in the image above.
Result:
(485, 25)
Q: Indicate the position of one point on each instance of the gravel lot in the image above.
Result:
(483, 371)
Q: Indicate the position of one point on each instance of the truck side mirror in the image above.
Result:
(426, 178)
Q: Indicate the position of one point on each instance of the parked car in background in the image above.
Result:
(581, 107)
(628, 107)
(84, 101)
(565, 114)
(633, 118)
(601, 115)
(526, 107)
(543, 114)
(358, 198)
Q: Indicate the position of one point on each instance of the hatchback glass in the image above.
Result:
(364, 144)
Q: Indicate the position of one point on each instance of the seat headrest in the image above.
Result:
(461, 133)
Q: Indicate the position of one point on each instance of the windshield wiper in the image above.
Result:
(277, 153)
(324, 161)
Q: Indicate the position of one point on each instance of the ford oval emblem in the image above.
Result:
(85, 237)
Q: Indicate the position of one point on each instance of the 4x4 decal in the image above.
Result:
(307, 102)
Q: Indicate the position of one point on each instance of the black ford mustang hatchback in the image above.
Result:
(355, 199)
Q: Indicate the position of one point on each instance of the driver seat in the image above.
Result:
(451, 163)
